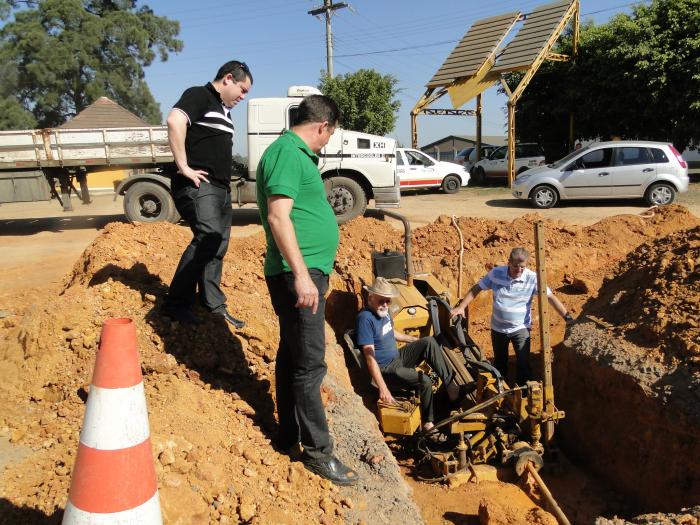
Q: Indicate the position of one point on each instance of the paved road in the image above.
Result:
(40, 242)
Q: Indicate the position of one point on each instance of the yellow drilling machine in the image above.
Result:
(495, 423)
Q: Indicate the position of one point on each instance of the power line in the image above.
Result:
(399, 49)
(614, 7)
(432, 44)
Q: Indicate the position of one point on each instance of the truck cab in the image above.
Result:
(355, 167)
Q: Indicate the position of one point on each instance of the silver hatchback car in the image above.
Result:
(608, 170)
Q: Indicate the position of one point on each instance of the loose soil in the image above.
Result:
(642, 386)
(210, 394)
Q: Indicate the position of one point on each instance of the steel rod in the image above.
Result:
(556, 510)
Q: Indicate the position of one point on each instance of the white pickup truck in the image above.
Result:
(355, 167)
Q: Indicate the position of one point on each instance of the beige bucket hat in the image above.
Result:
(382, 287)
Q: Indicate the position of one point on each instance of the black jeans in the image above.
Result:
(402, 372)
(521, 345)
(208, 211)
(300, 366)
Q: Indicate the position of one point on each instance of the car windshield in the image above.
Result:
(464, 153)
(565, 160)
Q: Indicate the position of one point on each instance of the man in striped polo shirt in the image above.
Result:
(513, 287)
(200, 134)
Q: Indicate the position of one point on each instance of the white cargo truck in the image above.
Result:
(356, 167)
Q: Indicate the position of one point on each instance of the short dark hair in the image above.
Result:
(239, 70)
(318, 108)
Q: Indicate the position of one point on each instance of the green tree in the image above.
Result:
(68, 53)
(366, 100)
(636, 77)
(12, 114)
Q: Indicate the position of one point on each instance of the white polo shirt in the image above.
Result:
(512, 298)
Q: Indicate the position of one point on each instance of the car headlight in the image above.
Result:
(522, 177)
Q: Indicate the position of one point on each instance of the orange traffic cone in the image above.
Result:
(114, 480)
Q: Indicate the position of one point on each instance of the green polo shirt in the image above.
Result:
(288, 167)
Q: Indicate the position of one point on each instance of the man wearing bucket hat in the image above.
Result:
(386, 363)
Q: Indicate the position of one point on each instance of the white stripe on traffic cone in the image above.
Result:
(114, 480)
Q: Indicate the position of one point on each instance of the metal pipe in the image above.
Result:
(543, 310)
(556, 510)
(462, 451)
(407, 243)
(478, 127)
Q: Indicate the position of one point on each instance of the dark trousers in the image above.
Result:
(207, 210)
(300, 366)
(402, 372)
(521, 345)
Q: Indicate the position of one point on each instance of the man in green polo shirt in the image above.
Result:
(302, 240)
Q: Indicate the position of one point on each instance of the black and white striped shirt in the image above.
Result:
(209, 139)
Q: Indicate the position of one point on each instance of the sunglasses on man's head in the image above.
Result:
(244, 67)
(241, 65)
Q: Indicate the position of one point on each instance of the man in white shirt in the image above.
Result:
(513, 286)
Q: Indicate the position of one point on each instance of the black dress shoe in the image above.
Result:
(181, 315)
(332, 469)
(236, 323)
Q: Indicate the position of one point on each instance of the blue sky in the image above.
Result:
(283, 46)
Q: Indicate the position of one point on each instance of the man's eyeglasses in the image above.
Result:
(384, 300)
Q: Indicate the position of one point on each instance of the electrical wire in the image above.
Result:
(453, 41)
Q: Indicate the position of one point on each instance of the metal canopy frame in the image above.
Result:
(476, 64)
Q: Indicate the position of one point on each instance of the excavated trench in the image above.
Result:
(631, 416)
(629, 376)
(630, 390)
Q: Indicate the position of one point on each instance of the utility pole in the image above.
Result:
(328, 7)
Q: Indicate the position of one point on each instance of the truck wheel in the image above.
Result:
(451, 184)
(346, 197)
(544, 197)
(149, 202)
(660, 194)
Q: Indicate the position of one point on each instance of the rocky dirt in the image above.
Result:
(639, 401)
(652, 298)
(578, 257)
(684, 517)
(210, 394)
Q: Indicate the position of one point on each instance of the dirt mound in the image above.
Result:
(684, 517)
(653, 294)
(578, 257)
(210, 395)
(210, 392)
